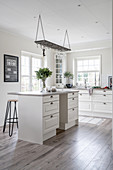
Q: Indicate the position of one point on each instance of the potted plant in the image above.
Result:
(43, 74)
(69, 76)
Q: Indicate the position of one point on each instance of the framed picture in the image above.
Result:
(10, 68)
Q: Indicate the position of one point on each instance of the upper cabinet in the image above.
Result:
(60, 68)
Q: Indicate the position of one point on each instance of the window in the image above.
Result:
(88, 70)
(29, 65)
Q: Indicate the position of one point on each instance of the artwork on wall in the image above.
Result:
(10, 68)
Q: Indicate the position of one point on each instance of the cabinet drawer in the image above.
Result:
(102, 107)
(73, 94)
(84, 97)
(50, 108)
(50, 98)
(102, 91)
(50, 123)
(72, 114)
(102, 97)
(72, 102)
(85, 106)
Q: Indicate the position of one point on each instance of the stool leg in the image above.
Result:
(16, 115)
(6, 115)
(10, 120)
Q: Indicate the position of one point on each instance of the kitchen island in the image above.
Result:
(41, 113)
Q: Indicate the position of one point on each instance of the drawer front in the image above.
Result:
(84, 97)
(84, 91)
(72, 114)
(85, 106)
(72, 102)
(50, 123)
(102, 107)
(50, 98)
(102, 91)
(103, 97)
(73, 94)
(50, 108)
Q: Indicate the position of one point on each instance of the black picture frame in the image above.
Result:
(11, 68)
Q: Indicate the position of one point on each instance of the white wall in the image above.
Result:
(13, 45)
(106, 54)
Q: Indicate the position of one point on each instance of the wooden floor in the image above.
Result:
(87, 146)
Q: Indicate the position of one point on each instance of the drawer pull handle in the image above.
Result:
(51, 96)
(104, 103)
(73, 109)
(51, 103)
(80, 94)
(72, 98)
(72, 93)
(51, 116)
(104, 95)
(104, 91)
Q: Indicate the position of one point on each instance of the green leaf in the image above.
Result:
(43, 73)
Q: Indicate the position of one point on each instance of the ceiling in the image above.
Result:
(85, 20)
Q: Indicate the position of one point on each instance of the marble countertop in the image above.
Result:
(38, 93)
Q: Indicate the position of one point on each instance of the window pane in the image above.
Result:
(25, 83)
(25, 65)
(92, 78)
(79, 63)
(35, 84)
(85, 62)
(36, 64)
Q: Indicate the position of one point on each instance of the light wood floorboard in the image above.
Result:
(87, 146)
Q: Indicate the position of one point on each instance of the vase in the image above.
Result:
(43, 85)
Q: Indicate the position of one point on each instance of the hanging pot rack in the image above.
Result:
(45, 43)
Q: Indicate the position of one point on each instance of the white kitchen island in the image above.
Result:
(41, 113)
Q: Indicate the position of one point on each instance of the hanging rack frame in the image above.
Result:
(45, 43)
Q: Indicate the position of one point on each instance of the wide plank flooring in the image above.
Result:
(87, 146)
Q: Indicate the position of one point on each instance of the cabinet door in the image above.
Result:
(50, 108)
(72, 114)
(72, 102)
(102, 107)
(85, 106)
(50, 123)
(84, 97)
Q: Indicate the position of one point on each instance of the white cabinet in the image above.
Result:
(98, 104)
(102, 97)
(68, 110)
(72, 114)
(50, 108)
(72, 102)
(50, 115)
(84, 97)
(102, 107)
(50, 98)
(85, 106)
(50, 123)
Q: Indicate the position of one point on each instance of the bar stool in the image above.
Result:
(9, 118)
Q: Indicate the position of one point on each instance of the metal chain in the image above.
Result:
(66, 35)
(39, 22)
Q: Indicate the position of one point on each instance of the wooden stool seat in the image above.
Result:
(13, 100)
(9, 118)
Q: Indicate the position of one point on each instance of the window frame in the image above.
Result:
(88, 58)
(30, 55)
